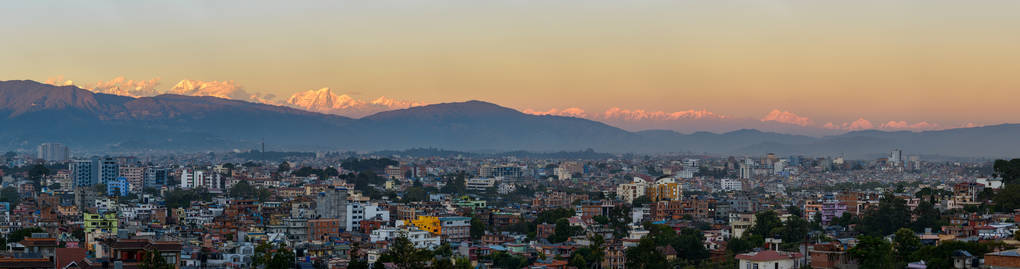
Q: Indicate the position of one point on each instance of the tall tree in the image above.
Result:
(766, 224)
(406, 256)
(154, 260)
(872, 252)
(891, 214)
(905, 244)
(1008, 197)
(477, 228)
(283, 259)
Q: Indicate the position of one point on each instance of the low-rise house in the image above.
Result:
(770, 259)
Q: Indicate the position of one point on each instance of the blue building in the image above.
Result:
(117, 187)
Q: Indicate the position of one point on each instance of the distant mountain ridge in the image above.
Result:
(33, 113)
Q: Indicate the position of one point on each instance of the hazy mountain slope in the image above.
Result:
(33, 113)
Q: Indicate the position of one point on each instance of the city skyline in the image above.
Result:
(896, 66)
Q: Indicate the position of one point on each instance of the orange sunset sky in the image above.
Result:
(897, 64)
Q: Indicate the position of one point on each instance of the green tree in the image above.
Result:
(872, 252)
(927, 217)
(263, 254)
(1008, 197)
(641, 200)
(941, 256)
(462, 263)
(890, 214)
(20, 234)
(739, 245)
(644, 255)
(154, 260)
(766, 224)
(1009, 171)
(415, 194)
(283, 167)
(406, 256)
(37, 172)
(795, 211)
(793, 232)
(504, 260)
(905, 244)
(477, 228)
(357, 264)
(283, 258)
(10, 195)
(690, 245)
(563, 231)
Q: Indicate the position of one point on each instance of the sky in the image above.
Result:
(929, 64)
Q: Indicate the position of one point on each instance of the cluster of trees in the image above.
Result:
(10, 195)
(794, 231)
(688, 244)
(1008, 198)
(269, 256)
(179, 198)
(589, 256)
(20, 234)
(364, 182)
(505, 260)
(403, 254)
(893, 213)
(367, 165)
(455, 184)
(326, 172)
(154, 260)
(244, 190)
(906, 247)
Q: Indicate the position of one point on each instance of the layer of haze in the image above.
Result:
(950, 62)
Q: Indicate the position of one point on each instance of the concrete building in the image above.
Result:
(771, 259)
(155, 177)
(191, 178)
(332, 204)
(135, 176)
(53, 152)
(323, 229)
(118, 187)
(109, 170)
(356, 212)
(630, 191)
(85, 173)
(664, 189)
(729, 184)
(480, 184)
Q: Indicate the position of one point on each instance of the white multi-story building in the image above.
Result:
(630, 191)
(356, 212)
(420, 239)
(896, 157)
(506, 188)
(729, 184)
(191, 178)
(480, 184)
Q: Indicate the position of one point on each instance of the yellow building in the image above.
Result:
(429, 224)
(106, 223)
(664, 189)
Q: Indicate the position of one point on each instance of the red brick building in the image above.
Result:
(323, 229)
